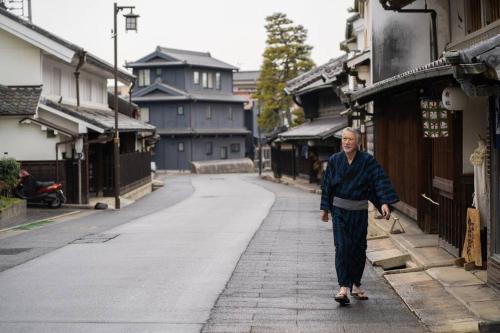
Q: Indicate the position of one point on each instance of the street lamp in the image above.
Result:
(130, 25)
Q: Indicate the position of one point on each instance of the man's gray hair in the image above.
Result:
(356, 132)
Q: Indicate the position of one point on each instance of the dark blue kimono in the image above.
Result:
(363, 179)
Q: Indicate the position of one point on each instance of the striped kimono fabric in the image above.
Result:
(363, 179)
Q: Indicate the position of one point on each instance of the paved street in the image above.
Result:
(186, 258)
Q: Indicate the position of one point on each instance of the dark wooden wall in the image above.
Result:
(398, 144)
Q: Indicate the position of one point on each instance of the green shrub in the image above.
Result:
(9, 173)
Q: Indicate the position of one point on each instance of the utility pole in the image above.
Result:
(259, 143)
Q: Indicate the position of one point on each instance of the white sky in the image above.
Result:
(231, 30)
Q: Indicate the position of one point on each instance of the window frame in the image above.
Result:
(223, 153)
(204, 79)
(218, 83)
(180, 110)
(210, 80)
(180, 147)
(235, 147)
(143, 79)
(208, 113)
(209, 148)
(142, 111)
(196, 78)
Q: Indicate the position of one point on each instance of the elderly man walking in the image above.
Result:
(353, 178)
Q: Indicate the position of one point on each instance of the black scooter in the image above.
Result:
(34, 191)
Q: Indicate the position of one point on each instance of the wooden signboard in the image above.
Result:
(472, 244)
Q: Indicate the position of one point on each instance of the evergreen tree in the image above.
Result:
(286, 56)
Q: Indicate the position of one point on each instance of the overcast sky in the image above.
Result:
(231, 30)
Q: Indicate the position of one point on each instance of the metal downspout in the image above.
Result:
(82, 57)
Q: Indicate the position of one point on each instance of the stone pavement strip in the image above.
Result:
(285, 280)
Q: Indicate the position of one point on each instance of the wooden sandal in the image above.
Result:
(359, 294)
(342, 297)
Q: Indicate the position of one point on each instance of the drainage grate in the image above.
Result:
(12, 251)
(94, 238)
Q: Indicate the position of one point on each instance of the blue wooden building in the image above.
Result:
(189, 97)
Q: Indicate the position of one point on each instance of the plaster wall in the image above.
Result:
(59, 82)
(26, 142)
(475, 122)
(20, 62)
(401, 41)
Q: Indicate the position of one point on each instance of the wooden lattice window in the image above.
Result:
(473, 10)
(492, 11)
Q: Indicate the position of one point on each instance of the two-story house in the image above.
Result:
(300, 151)
(189, 97)
(435, 73)
(54, 114)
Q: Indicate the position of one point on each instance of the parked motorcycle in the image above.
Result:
(34, 191)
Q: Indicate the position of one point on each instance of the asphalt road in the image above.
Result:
(209, 253)
(159, 269)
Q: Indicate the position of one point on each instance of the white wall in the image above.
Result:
(20, 62)
(59, 81)
(475, 121)
(26, 142)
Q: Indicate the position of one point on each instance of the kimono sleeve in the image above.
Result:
(381, 191)
(327, 189)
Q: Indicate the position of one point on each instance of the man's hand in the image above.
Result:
(324, 215)
(386, 211)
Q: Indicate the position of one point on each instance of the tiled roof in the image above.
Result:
(203, 131)
(103, 118)
(434, 69)
(191, 97)
(19, 100)
(90, 58)
(320, 128)
(328, 70)
(246, 76)
(180, 57)
(473, 60)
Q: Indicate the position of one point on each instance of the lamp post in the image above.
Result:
(130, 25)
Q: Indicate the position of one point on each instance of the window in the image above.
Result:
(180, 147)
(158, 72)
(180, 110)
(492, 11)
(144, 79)
(196, 77)
(217, 81)
(87, 90)
(51, 133)
(204, 80)
(56, 81)
(210, 80)
(223, 153)
(480, 13)
(230, 113)
(235, 147)
(209, 113)
(209, 148)
(144, 113)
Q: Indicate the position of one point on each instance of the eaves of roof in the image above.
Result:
(320, 128)
(90, 58)
(315, 74)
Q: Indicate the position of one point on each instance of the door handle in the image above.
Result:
(429, 199)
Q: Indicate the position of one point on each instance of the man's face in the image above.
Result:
(349, 143)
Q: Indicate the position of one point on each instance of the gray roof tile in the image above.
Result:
(326, 71)
(320, 128)
(19, 100)
(103, 118)
(180, 57)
